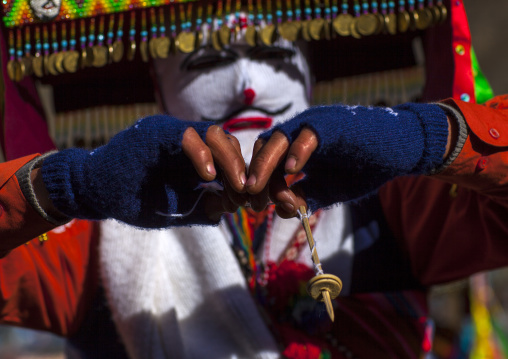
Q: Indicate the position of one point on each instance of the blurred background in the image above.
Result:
(451, 304)
(488, 21)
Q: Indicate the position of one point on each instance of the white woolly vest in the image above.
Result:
(180, 293)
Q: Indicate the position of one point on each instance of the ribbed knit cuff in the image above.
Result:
(435, 126)
(25, 184)
(463, 132)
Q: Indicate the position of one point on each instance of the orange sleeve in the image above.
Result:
(43, 285)
(49, 285)
(449, 234)
(19, 222)
(482, 164)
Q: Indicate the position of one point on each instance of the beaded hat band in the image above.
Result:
(51, 37)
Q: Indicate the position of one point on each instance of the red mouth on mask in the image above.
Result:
(237, 124)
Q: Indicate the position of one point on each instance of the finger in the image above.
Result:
(301, 150)
(265, 161)
(281, 195)
(235, 143)
(259, 201)
(217, 205)
(294, 197)
(257, 146)
(227, 204)
(199, 154)
(226, 153)
(238, 199)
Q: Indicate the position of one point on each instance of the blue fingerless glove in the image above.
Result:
(361, 148)
(141, 170)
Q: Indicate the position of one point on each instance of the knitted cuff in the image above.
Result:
(25, 184)
(434, 123)
(463, 132)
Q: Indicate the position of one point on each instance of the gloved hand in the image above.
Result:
(141, 171)
(358, 149)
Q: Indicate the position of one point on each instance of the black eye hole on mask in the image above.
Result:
(208, 58)
(270, 53)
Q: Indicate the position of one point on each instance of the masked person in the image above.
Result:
(181, 292)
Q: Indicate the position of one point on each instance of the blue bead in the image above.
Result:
(144, 33)
(45, 46)
(290, 13)
(19, 53)
(73, 42)
(110, 34)
(327, 11)
(163, 28)
(82, 39)
(28, 47)
(153, 28)
(308, 11)
(335, 8)
(278, 13)
(345, 6)
(55, 45)
(119, 33)
(12, 51)
(374, 5)
(365, 6)
(64, 43)
(100, 37)
(38, 47)
(91, 37)
(132, 32)
(384, 6)
(465, 97)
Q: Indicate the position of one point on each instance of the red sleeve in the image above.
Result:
(49, 285)
(451, 236)
(19, 222)
(483, 162)
(43, 285)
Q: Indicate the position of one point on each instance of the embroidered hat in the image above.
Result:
(52, 37)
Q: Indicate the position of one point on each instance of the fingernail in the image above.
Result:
(210, 168)
(251, 181)
(290, 163)
(288, 207)
(243, 179)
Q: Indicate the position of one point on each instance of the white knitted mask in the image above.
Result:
(240, 87)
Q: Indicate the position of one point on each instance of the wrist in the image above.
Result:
(457, 134)
(35, 192)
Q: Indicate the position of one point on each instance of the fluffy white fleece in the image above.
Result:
(180, 293)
